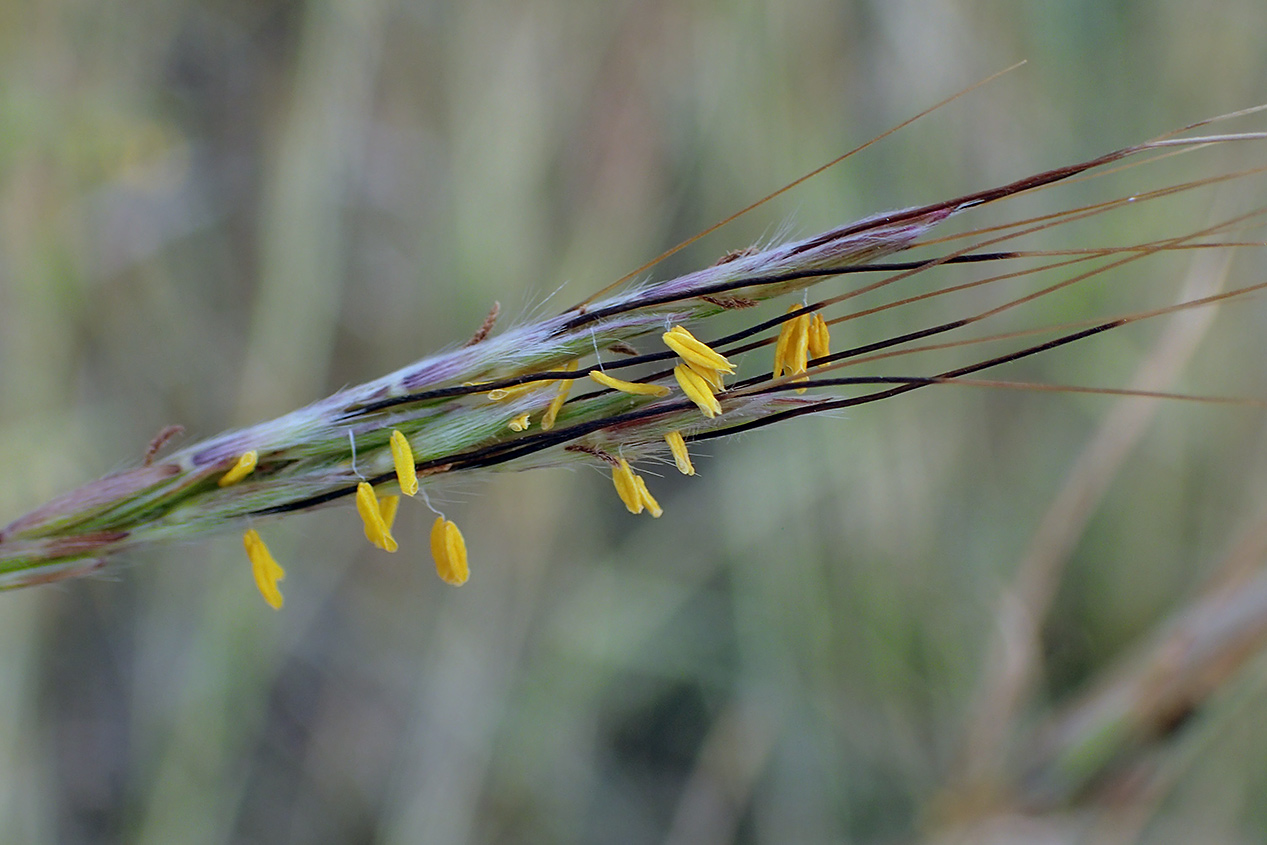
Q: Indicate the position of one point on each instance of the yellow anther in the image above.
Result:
(697, 390)
(552, 412)
(376, 529)
(677, 445)
(798, 349)
(244, 467)
(780, 345)
(819, 337)
(629, 386)
(633, 490)
(786, 333)
(520, 423)
(653, 507)
(694, 351)
(791, 352)
(448, 548)
(627, 486)
(501, 394)
(708, 374)
(387, 507)
(266, 570)
(792, 347)
(403, 457)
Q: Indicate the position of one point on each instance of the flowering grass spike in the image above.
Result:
(470, 410)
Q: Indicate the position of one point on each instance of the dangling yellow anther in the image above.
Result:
(244, 467)
(786, 333)
(780, 346)
(694, 351)
(448, 548)
(403, 457)
(681, 457)
(633, 490)
(629, 386)
(519, 423)
(552, 412)
(627, 487)
(376, 528)
(653, 507)
(791, 351)
(819, 337)
(266, 570)
(792, 347)
(387, 507)
(697, 390)
(798, 350)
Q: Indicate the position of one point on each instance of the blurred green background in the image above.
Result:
(213, 212)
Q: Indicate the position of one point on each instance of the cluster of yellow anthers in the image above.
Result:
(801, 339)
(700, 377)
(377, 513)
(700, 374)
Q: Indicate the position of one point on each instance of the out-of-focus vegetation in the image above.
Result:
(211, 213)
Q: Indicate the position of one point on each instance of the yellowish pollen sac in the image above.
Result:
(694, 351)
(819, 337)
(653, 507)
(501, 394)
(791, 352)
(552, 412)
(708, 374)
(627, 487)
(798, 349)
(448, 547)
(697, 390)
(629, 386)
(377, 530)
(244, 467)
(266, 570)
(520, 423)
(786, 335)
(403, 457)
(792, 348)
(387, 507)
(681, 457)
(780, 345)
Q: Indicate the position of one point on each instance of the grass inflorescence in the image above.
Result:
(635, 373)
